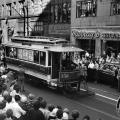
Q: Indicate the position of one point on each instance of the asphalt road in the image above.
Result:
(87, 105)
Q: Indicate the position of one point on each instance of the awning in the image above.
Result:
(65, 49)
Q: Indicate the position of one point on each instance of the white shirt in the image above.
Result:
(17, 110)
(91, 65)
(1, 98)
(65, 116)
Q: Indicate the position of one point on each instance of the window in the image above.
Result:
(7, 50)
(42, 58)
(86, 8)
(9, 10)
(21, 8)
(49, 59)
(36, 56)
(38, 26)
(60, 12)
(2, 12)
(115, 8)
(14, 9)
(11, 52)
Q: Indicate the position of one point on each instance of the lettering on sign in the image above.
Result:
(92, 35)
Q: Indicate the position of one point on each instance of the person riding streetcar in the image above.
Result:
(21, 78)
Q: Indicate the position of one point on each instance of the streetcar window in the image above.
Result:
(7, 51)
(36, 56)
(42, 58)
(49, 59)
(15, 52)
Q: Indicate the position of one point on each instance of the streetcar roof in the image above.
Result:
(38, 39)
(65, 49)
(57, 48)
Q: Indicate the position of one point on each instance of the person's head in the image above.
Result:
(2, 104)
(2, 116)
(4, 87)
(51, 107)
(9, 113)
(36, 105)
(86, 117)
(17, 98)
(9, 99)
(0, 90)
(31, 96)
(16, 88)
(6, 94)
(66, 110)
(23, 99)
(59, 107)
(43, 104)
(75, 114)
(59, 114)
(40, 98)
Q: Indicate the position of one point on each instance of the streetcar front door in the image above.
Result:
(55, 65)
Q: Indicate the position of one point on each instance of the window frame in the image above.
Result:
(117, 10)
(87, 13)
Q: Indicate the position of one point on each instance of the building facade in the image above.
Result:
(95, 25)
(35, 18)
(60, 18)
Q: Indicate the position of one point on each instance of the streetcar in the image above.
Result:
(49, 59)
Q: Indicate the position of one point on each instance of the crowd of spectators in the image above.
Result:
(105, 62)
(15, 105)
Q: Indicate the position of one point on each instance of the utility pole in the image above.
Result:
(27, 20)
(24, 18)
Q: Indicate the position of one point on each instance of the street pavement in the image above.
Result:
(95, 106)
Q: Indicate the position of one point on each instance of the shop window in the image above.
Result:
(86, 8)
(36, 56)
(42, 58)
(9, 10)
(115, 8)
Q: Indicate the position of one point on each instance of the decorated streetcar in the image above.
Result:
(52, 60)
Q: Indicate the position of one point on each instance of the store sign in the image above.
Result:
(83, 34)
(59, 29)
(111, 35)
(96, 34)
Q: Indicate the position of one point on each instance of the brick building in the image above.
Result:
(95, 25)
(35, 17)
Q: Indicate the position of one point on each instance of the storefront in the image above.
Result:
(96, 41)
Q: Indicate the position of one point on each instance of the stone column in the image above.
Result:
(97, 47)
(103, 46)
(72, 38)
